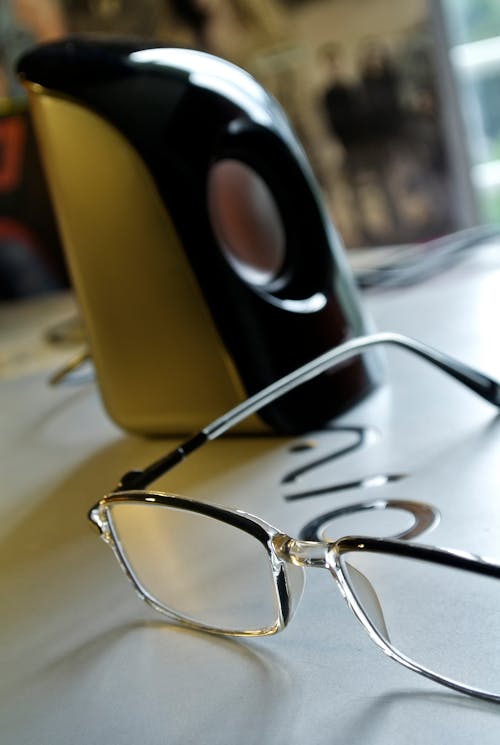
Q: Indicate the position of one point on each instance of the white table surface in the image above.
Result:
(83, 661)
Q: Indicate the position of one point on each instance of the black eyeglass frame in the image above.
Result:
(282, 549)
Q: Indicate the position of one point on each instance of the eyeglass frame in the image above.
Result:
(283, 549)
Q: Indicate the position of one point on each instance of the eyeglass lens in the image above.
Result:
(202, 569)
(442, 618)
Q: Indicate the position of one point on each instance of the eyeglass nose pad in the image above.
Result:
(295, 580)
(368, 599)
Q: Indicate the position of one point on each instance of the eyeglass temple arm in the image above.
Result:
(481, 384)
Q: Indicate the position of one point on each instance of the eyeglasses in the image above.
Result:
(224, 571)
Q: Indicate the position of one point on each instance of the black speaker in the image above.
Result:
(202, 255)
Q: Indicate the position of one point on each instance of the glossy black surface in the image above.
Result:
(183, 111)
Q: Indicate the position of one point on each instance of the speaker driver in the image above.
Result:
(246, 221)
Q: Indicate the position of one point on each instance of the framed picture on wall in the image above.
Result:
(358, 80)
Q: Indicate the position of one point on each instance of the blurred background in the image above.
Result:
(396, 104)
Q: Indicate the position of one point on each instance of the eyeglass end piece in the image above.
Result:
(130, 481)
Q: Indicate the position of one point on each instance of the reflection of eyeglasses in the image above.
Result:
(224, 571)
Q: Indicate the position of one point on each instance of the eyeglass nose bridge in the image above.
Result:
(302, 553)
(314, 554)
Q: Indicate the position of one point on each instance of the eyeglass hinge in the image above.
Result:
(130, 481)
